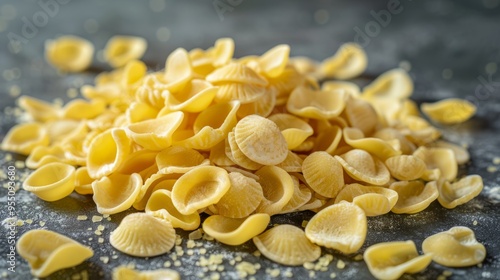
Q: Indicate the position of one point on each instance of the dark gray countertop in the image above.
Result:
(453, 48)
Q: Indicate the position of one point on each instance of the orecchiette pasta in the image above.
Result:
(51, 182)
(449, 111)
(69, 53)
(233, 231)
(121, 49)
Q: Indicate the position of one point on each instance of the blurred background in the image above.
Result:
(450, 48)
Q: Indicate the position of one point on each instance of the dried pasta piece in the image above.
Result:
(178, 159)
(243, 92)
(349, 61)
(233, 231)
(361, 115)
(277, 186)
(372, 205)
(116, 192)
(196, 96)
(260, 140)
(52, 181)
(218, 155)
(323, 173)
(263, 106)
(83, 182)
(79, 109)
(328, 139)
(288, 245)
(222, 52)
(199, 188)
(390, 134)
(154, 182)
(352, 89)
(155, 134)
(301, 195)
(362, 166)
(23, 138)
(289, 79)
(236, 73)
(456, 247)
(414, 196)
(340, 226)
(141, 161)
(390, 260)
(242, 198)
(107, 151)
(38, 109)
(273, 62)
(48, 251)
(234, 153)
(452, 195)
(355, 138)
(439, 158)
(119, 50)
(294, 129)
(304, 65)
(292, 163)
(125, 273)
(449, 111)
(178, 70)
(405, 167)
(316, 104)
(61, 131)
(133, 236)
(42, 155)
(395, 84)
(69, 53)
(461, 154)
(160, 206)
(133, 73)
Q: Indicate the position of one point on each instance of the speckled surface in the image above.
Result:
(452, 47)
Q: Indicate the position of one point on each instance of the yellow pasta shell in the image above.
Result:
(178, 70)
(355, 138)
(449, 111)
(301, 195)
(154, 182)
(116, 193)
(107, 152)
(79, 109)
(133, 72)
(119, 50)
(61, 131)
(289, 79)
(42, 155)
(23, 138)
(260, 140)
(304, 65)
(316, 104)
(362, 166)
(51, 182)
(199, 188)
(452, 195)
(328, 139)
(234, 153)
(349, 61)
(414, 196)
(439, 158)
(218, 155)
(69, 53)
(405, 167)
(390, 134)
(236, 73)
(361, 115)
(133, 236)
(83, 182)
(292, 163)
(155, 134)
(160, 206)
(38, 109)
(242, 198)
(178, 159)
(277, 186)
(196, 96)
(47, 251)
(234, 231)
(461, 154)
(245, 93)
(394, 84)
(323, 174)
(352, 89)
(273, 62)
(340, 226)
(288, 245)
(373, 204)
(294, 129)
(222, 51)
(263, 106)
(141, 161)
(390, 260)
(456, 247)
(125, 273)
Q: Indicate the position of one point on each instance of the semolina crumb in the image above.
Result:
(492, 169)
(190, 252)
(100, 240)
(304, 223)
(333, 275)
(82, 217)
(257, 253)
(312, 274)
(167, 264)
(29, 221)
(177, 263)
(475, 222)
(19, 223)
(41, 223)
(104, 259)
(447, 273)
(288, 273)
(101, 227)
(308, 265)
(96, 219)
(496, 160)
(72, 92)
(246, 267)
(190, 244)
(340, 264)
(215, 276)
(14, 91)
(203, 251)
(19, 164)
(195, 235)
(358, 257)
(114, 257)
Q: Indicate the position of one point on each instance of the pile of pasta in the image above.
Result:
(243, 139)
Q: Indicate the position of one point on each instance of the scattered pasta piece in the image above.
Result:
(449, 111)
(452, 195)
(323, 173)
(116, 193)
(47, 251)
(414, 196)
(23, 138)
(160, 206)
(234, 231)
(51, 182)
(390, 260)
(126, 273)
(119, 50)
(69, 53)
(456, 247)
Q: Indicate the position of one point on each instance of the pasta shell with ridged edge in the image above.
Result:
(323, 173)
(242, 198)
(160, 206)
(234, 231)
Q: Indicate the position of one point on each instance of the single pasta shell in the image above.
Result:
(351, 88)
(375, 201)
(236, 73)
(199, 188)
(39, 110)
(328, 139)
(119, 50)
(340, 226)
(394, 84)
(301, 195)
(42, 155)
(263, 106)
(292, 163)
(405, 167)
(461, 154)
(373, 204)
(244, 93)
(178, 70)
(294, 129)
(449, 111)
(389, 134)
(456, 247)
(222, 52)
(234, 153)
(195, 97)
(316, 104)
(277, 186)
(362, 166)
(390, 260)
(361, 115)
(133, 72)
(260, 140)
(414, 196)
(382, 149)
(304, 65)
(154, 182)
(23, 138)
(107, 151)
(83, 182)
(116, 193)
(289, 79)
(273, 62)
(178, 159)
(323, 173)
(232, 231)
(124, 273)
(51, 182)
(69, 53)
(47, 251)
(242, 198)
(349, 61)
(133, 236)
(160, 206)
(288, 245)
(440, 158)
(452, 195)
(218, 155)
